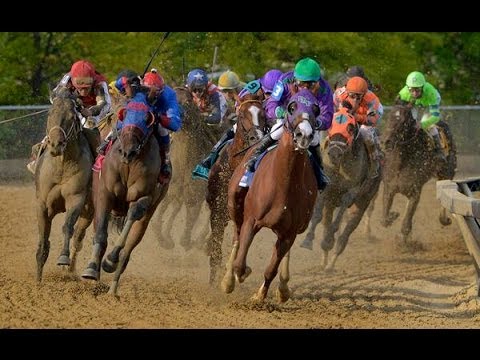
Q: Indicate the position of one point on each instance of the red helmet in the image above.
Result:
(82, 74)
(153, 79)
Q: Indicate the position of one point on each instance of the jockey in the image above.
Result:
(365, 106)
(307, 74)
(230, 85)
(163, 100)
(418, 92)
(93, 97)
(264, 87)
(207, 96)
(352, 71)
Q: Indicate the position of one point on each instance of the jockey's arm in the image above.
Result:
(325, 100)
(102, 99)
(168, 110)
(431, 118)
(215, 114)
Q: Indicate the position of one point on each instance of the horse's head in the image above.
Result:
(400, 128)
(302, 111)
(137, 125)
(63, 124)
(251, 118)
(341, 135)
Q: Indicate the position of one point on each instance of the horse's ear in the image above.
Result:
(150, 119)
(292, 107)
(121, 114)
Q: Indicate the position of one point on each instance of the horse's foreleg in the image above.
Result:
(316, 219)
(283, 292)
(280, 249)
(74, 205)
(193, 211)
(44, 228)
(163, 235)
(204, 226)
(166, 240)
(80, 229)
(444, 218)
(247, 233)
(327, 241)
(408, 217)
(388, 217)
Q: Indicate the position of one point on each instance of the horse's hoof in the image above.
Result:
(63, 260)
(228, 284)
(445, 221)
(90, 273)
(187, 245)
(109, 266)
(307, 244)
(283, 294)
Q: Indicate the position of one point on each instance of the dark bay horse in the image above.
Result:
(188, 146)
(62, 181)
(347, 166)
(249, 129)
(410, 163)
(127, 185)
(281, 197)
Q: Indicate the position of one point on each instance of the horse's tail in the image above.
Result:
(448, 171)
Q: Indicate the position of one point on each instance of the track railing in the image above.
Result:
(460, 197)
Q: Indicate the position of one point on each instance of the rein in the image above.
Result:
(72, 132)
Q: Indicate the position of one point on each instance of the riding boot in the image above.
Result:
(37, 150)
(262, 146)
(166, 165)
(210, 159)
(317, 164)
(439, 155)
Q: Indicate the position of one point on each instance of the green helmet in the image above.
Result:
(307, 70)
(415, 79)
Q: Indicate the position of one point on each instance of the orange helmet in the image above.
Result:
(82, 74)
(357, 84)
(153, 79)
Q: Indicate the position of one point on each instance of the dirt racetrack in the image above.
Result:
(378, 283)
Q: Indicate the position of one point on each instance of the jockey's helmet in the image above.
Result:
(197, 78)
(153, 79)
(357, 85)
(307, 69)
(229, 80)
(82, 74)
(415, 79)
(269, 79)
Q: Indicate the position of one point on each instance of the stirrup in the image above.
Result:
(200, 172)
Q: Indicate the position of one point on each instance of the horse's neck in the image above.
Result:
(288, 161)
(239, 143)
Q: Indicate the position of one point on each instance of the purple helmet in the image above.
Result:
(269, 79)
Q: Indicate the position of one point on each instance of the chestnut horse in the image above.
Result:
(410, 163)
(347, 166)
(249, 130)
(62, 181)
(281, 197)
(127, 185)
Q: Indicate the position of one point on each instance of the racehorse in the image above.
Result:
(127, 185)
(62, 182)
(249, 130)
(281, 197)
(410, 163)
(188, 146)
(351, 186)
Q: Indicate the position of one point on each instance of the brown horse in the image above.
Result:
(127, 186)
(62, 181)
(249, 130)
(410, 163)
(188, 147)
(351, 186)
(281, 197)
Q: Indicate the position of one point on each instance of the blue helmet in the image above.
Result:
(197, 78)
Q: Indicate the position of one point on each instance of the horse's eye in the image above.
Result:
(292, 107)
